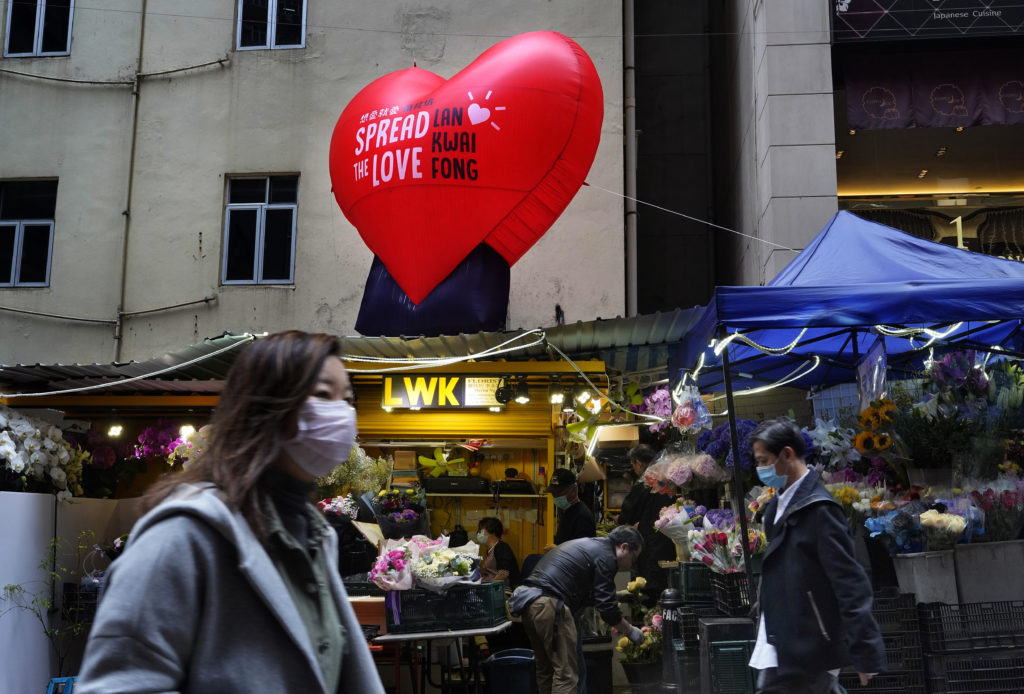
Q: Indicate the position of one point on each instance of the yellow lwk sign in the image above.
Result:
(439, 391)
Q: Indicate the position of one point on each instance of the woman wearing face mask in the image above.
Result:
(500, 563)
(230, 581)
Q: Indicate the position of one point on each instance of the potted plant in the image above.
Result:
(642, 662)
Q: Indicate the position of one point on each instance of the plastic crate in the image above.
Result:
(731, 594)
(979, 672)
(971, 626)
(895, 611)
(886, 683)
(903, 652)
(688, 627)
(363, 588)
(728, 670)
(693, 581)
(460, 607)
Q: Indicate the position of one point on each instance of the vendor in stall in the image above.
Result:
(574, 518)
(640, 509)
(500, 562)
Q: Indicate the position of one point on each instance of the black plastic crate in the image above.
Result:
(997, 671)
(693, 581)
(885, 683)
(895, 611)
(725, 669)
(903, 652)
(731, 594)
(363, 588)
(688, 627)
(460, 607)
(971, 626)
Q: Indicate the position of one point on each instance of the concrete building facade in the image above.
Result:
(156, 106)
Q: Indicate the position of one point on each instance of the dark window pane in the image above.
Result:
(255, 17)
(241, 250)
(56, 24)
(284, 189)
(7, 232)
(28, 199)
(277, 245)
(35, 253)
(289, 23)
(247, 190)
(23, 26)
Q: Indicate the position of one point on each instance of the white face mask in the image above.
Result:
(327, 429)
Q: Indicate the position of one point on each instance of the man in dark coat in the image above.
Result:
(815, 597)
(574, 520)
(574, 575)
(640, 509)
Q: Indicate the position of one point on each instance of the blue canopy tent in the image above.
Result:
(856, 283)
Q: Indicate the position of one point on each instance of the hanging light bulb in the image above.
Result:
(522, 391)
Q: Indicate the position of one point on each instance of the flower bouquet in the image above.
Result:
(941, 530)
(393, 570)
(675, 522)
(400, 512)
(440, 568)
(1004, 512)
(676, 471)
(717, 443)
(648, 650)
(339, 507)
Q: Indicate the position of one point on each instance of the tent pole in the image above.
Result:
(737, 468)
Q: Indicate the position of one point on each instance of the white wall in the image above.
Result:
(30, 524)
(261, 112)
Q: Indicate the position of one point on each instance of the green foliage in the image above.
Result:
(932, 442)
(62, 624)
(360, 473)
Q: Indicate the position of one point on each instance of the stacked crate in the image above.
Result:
(897, 619)
(973, 648)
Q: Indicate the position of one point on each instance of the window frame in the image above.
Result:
(271, 29)
(37, 38)
(261, 217)
(19, 243)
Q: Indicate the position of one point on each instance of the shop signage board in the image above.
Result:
(899, 20)
(452, 391)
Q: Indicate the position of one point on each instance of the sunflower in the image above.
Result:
(886, 410)
(864, 442)
(882, 441)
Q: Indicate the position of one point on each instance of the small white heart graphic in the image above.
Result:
(478, 114)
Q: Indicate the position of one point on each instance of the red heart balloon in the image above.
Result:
(426, 168)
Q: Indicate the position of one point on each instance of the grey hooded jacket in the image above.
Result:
(195, 605)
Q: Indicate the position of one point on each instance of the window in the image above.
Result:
(259, 230)
(271, 24)
(38, 27)
(26, 232)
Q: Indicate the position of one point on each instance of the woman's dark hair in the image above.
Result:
(776, 434)
(265, 387)
(642, 454)
(491, 525)
(628, 534)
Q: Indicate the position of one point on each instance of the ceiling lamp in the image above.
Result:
(522, 391)
(504, 392)
(568, 399)
(556, 393)
(582, 394)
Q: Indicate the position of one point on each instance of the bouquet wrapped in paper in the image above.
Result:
(675, 522)
(676, 470)
(393, 568)
(941, 530)
(401, 513)
(439, 568)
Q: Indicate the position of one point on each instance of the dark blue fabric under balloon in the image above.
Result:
(474, 297)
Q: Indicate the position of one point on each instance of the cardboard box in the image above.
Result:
(622, 436)
(405, 460)
(370, 610)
